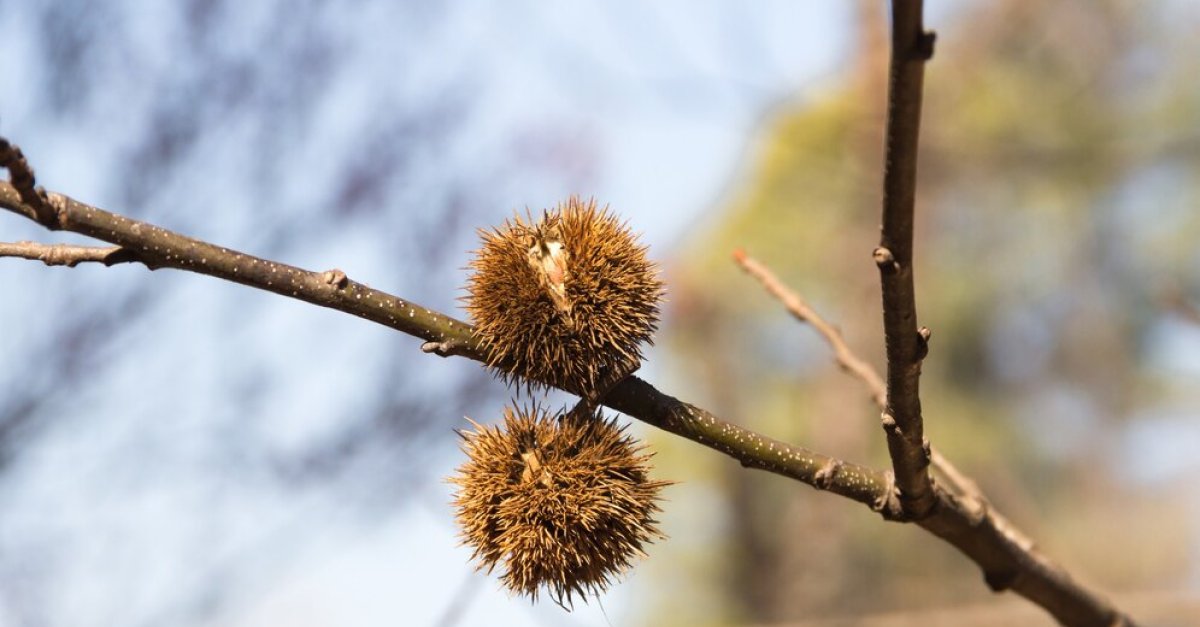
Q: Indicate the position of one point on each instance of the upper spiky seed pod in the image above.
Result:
(564, 300)
(562, 502)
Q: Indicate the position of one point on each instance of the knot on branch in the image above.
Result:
(888, 501)
(978, 510)
(890, 425)
(445, 348)
(336, 278)
(923, 335)
(825, 474)
(925, 42)
(1000, 580)
(885, 260)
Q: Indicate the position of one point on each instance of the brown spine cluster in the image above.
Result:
(564, 301)
(562, 502)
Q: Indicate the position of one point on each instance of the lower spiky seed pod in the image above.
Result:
(561, 502)
(564, 301)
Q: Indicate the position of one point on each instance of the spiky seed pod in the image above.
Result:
(561, 502)
(563, 300)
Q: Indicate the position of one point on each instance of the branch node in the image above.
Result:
(925, 43)
(124, 255)
(338, 279)
(999, 581)
(923, 335)
(445, 348)
(58, 203)
(890, 425)
(887, 503)
(978, 511)
(885, 260)
(825, 474)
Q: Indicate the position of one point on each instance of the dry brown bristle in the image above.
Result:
(564, 300)
(560, 502)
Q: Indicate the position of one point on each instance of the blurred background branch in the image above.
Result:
(796, 305)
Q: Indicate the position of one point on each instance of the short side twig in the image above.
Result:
(66, 254)
(795, 304)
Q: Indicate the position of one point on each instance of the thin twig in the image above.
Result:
(67, 255)
(846, 359)
(964, 486)
(800, 309)
(906, 346)
(1006, 563)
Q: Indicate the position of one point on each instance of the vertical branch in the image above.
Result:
(911, 47)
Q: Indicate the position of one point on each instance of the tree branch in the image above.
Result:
(943, 514)
(157, 247)
(66, 254)
(846, 359)
(906, 345)
(1005, 562)
(964, 486)
(795, 304)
